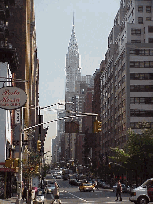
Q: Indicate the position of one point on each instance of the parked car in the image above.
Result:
(124, 188)
(59, 176)
(73, 182)
(106, 185)
(79, 182)
(86, 187)
(40, 196)
(50, 187)
(103, 184)
(99, 182)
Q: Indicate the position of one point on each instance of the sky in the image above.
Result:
(93, 20)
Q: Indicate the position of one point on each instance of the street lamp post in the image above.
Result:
(20, 159)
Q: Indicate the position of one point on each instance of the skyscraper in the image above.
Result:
(73, 70)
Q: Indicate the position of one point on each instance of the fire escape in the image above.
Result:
(8, 53)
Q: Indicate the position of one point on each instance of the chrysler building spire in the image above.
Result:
(73, 73)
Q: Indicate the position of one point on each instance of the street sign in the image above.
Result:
(17, 116)
(12, 97)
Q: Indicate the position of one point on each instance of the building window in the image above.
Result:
(148, 18)
(141, 76)
(148, 9)
(150, 29)
(140, 20)
(135, 31)
(140, 8)
(150, 40)
(135, 41)
(141, 64)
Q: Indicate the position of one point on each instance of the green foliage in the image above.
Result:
(137, 154)
(45, 169)
(30, 164)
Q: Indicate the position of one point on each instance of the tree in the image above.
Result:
(30, 164)
(137, 154)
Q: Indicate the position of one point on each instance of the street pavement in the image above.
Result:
(71, 195)
(11, 200)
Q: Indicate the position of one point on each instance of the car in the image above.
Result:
(40, 196)
(124, 188)
(49, 176)
(58, 176)
(105, 185)
(99, 182)
(50, 187)
(86, 187)
(142, 194)
(73, 182)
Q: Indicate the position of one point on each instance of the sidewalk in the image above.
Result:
(11, 200)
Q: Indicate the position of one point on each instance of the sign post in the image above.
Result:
(14, 98)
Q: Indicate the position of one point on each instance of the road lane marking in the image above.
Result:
(80, 198)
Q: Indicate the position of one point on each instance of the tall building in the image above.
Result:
(18, 61)
(73, 73)
(127, 79)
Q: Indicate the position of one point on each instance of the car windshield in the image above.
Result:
(49, 177)
(87, 184)
(40, 193)
(50, 185)
(147, 183)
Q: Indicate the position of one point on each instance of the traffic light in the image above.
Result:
(37, 169)
(38, 145)
(97, 126)
(9, 163)
(16, 162)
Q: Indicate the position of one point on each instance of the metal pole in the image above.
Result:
(20, 157)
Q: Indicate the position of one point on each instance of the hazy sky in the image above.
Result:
(93, 21)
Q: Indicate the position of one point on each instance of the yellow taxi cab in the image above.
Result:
(86, 187)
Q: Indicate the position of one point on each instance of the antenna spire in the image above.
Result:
(73, 18)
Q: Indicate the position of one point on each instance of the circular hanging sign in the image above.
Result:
(12, 98)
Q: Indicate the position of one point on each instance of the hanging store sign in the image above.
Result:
(17, 116)
(12, 98)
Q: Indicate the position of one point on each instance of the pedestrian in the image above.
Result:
(24, 194)
(96, 185)
(118, 191)
(56, 191)
(29, 196)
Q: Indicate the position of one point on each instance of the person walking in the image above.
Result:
(56, 191)
(118, 191)
(24, 194)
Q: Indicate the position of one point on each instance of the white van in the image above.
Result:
(142, 194)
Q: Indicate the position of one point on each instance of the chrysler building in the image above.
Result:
(73, 71)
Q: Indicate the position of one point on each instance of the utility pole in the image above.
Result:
(20, 159)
